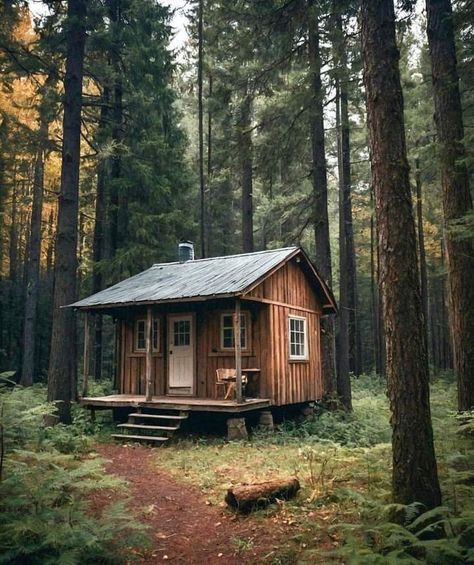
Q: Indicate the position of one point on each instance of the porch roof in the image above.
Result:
(201, 279)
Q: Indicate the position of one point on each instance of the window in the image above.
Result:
(182, 332)
(140, 335)
(298, 340)
(227, 331)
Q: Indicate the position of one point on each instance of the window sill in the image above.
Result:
(299, 360)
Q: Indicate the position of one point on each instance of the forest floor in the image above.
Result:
(343, 463)
(183, 525)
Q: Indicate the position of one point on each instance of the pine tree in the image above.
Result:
(414, 476)
(457, 201)
(62, 364)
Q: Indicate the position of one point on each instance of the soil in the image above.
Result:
(183, 526)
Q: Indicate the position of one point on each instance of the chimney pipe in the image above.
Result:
(185, 251)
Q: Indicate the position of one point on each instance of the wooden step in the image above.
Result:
(146, 427)
(158, 416)
(140, 438)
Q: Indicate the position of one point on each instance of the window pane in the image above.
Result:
(182, 332)
(140, 334)
(228, 331)
(297, 337)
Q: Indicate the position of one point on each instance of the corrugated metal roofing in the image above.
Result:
(206, 278)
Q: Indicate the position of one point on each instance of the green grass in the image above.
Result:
(343, 463)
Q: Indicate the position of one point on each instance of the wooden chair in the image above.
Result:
(226, 378)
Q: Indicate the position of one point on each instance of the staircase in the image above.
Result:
(155, 427)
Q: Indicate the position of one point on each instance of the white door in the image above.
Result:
(180, 354)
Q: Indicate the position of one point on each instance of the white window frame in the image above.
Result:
(135, 335)
(292, 356)
(243, 315)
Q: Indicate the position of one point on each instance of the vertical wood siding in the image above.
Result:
(282, 380)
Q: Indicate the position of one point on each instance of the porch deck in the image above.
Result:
(175, 403)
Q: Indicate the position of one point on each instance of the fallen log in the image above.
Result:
(246, 498)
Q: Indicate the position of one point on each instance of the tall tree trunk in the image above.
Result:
(28, 366)
(320, 194)
(118, 196)
(202, 186)
(3, 195)
(62, 363)
(209, 236)
(343, 376)
(457, 201)
(98, 246)
(414, 475)
(246, 170)
(345, 192)
(377, 338)
(421, 246)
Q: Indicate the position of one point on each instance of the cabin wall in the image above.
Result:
(209, 355)
(131, 374)
(287, 292)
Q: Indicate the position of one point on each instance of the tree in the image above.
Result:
(32, 282)
(320, 192)
(457, 201)
(414, 476)
(62, 364)
(202, 187)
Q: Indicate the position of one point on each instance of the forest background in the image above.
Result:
(276, 123)
(213, 143)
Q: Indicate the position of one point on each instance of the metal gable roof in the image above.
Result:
(197, 279)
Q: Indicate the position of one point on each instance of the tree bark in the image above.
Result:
(246, 498)
(457, 201)
(98, 246)
(345, 180)
(118, 196)
(202, 185)
(3, 195)
(320, 195)
(246, 170)
(62, 364)
(414, 476)
(421, 247)
(28, 366)
(343, 376)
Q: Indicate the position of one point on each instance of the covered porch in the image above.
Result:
(183, 346)
(187, 404)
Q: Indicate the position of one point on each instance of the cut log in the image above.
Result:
(246, 498)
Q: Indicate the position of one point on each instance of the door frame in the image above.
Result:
(169, 319)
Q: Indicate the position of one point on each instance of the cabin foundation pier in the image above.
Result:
(308, 413)
(236, 429)
(265, 421)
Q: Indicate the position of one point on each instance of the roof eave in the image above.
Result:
(106, 306)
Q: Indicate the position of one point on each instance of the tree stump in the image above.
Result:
(246, 498)
(236, 429)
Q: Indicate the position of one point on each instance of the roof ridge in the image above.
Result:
(292, 247)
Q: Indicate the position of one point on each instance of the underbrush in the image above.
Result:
(47, 479)
(343, 462)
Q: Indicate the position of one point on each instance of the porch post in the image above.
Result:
(148, 357)
(85, 382)
(238, 352)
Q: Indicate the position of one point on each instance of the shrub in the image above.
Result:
(45, 515)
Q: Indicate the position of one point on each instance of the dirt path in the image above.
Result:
(183, 528)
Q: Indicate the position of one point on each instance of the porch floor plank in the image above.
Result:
(175, 402)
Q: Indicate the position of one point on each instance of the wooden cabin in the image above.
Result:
(176, 324)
